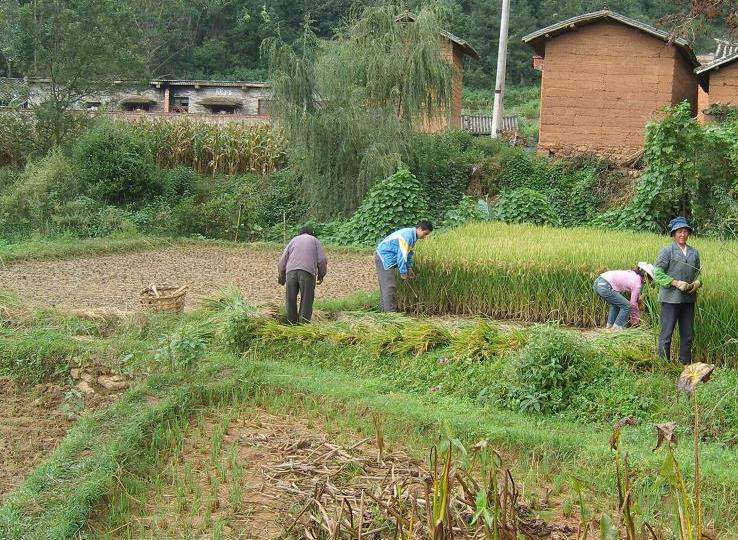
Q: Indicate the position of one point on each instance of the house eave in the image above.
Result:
(537, 39)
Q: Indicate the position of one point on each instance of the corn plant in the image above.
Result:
(437, 496)
(671, 472)
(231, 148)
(584, 514)
(538, 274)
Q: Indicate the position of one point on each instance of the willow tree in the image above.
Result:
(348, 105)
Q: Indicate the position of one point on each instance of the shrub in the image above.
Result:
(396, 201)
(115, 164)
(525, 205)
(442, 163)
(468, 210)
(17, 138)
(27, 204)
(551, 369)
(276, 197)
(180, 182)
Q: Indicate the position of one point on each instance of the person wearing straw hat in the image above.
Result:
(676, 270)
(610, 285)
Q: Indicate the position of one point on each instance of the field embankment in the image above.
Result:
(531, 273)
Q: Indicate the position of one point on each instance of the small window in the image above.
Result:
(92, 105)
(137, 107)
(181, 104)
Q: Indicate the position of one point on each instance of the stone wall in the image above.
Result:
(601, 84)
(248, 96)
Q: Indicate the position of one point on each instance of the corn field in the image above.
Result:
(539, 274)
(230, 148)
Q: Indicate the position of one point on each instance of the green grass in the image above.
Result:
(420, 376)
(57, 498)
(531, 273)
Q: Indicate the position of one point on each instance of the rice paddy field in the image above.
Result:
(539, 274)
(221, 422)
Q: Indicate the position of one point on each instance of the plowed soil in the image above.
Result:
(34, 421)
(114, 281)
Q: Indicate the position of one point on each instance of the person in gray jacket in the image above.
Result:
(676, 270)
(303, 264)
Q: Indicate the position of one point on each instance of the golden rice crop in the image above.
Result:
(230, 148)
(535, 273)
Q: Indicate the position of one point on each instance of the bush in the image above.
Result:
(17, 138)
(396, 201)
(469, 210)
(525, 205)
(277, 196)
(443, 164)
(115, 164)
(27, 204)
(180, 182)
(551, 369)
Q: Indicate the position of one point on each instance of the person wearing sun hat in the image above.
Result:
(676, 270)
(609, 286)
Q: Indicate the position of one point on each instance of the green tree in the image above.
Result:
(348, 105)
(82, 47)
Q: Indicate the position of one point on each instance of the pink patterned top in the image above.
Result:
(623, 281)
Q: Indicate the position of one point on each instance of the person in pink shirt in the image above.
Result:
(610, 285)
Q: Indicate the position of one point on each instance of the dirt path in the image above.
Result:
(114, 281)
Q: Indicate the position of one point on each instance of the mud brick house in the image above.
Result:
(604, 76)
(454, 50)
(719, 78)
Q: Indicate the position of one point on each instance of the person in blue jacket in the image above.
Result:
(395, 254)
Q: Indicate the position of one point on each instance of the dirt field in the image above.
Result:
(114, 281)
(251, 474)
(35, 420)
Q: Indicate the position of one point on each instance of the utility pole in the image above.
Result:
(501, 67)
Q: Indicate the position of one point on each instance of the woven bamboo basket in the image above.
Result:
(163, 297)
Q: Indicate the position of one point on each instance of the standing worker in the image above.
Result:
(610, 285)
(395, 253)
(676, 271)
(303, 264)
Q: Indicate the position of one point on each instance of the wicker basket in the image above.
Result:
(163, 298)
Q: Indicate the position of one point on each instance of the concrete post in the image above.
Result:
(498, 110)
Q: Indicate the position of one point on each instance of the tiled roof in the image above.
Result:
(539, 37)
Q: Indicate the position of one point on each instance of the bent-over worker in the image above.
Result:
(395, 254)
(609, 286)
(303, 264)
(676, 271)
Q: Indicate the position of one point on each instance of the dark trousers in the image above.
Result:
(387, 286)
(671, 314)
(299, 281)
